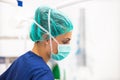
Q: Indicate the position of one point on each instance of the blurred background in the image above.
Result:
(95, 51)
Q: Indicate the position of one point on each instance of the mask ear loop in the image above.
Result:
(50, 31)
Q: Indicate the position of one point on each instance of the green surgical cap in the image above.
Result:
(59, 23)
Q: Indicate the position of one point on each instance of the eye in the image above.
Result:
(66, 41)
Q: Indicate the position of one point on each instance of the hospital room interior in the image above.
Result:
(95, 53)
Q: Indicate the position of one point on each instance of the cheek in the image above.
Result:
(55, 47)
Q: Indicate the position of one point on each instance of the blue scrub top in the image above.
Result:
(28, 67)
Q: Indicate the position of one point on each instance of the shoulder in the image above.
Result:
(32, 60)
(36, 66)
(29, 66)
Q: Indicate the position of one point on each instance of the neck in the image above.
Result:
(41, 51)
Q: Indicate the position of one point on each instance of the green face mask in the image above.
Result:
(63, 51)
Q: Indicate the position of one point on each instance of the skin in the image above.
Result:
(43, 48)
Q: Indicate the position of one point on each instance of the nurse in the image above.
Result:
(51, 33)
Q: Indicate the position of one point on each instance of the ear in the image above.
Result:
(45, 36)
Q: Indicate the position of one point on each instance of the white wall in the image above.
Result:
(102, 39)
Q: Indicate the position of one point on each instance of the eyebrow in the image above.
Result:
(66, 39)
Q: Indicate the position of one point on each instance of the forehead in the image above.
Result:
(67, 35)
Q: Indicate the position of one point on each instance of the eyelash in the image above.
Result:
(65, 42)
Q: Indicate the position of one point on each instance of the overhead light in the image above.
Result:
(20, 3)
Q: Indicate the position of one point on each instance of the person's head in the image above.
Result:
(60, 28)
